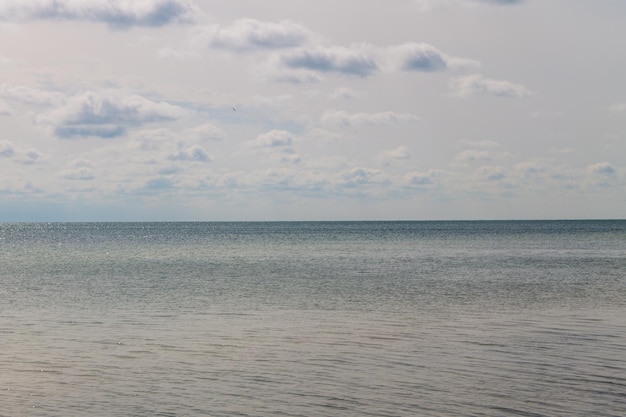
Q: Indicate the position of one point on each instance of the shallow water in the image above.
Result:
(301, 319)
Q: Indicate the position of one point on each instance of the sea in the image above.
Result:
(453, 318)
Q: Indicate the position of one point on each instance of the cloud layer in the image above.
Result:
(115, 13)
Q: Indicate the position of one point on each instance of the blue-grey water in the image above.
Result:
(520, 318)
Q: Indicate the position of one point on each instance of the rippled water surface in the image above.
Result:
(313, 319)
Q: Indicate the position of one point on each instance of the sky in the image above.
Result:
(216, 110)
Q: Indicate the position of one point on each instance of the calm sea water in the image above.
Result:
(313, 319)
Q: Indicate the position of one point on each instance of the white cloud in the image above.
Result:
(7, 149)
(25, 156)
(357, 61)
(401, 152)
(343, 93)
(205, 131)
(193, 153)
(422, 57)
(477, 84)
(618, 108)
(29, 156)
(79, 174)
(602, 168)
(106, 114)
(470, 155)
(422, 179)
(429, 5)
(4, 109)
(337, 117)
(250, 34)
(273, 139)
(491, 173)
(357, 176)
(115, 13)
(34, 96)
(479, 143)
(531, 168)
(502, 2)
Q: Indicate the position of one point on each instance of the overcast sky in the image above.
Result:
(312, 110)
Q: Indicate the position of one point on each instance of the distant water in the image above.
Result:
(521, 318)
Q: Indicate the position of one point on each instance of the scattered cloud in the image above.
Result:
(531, 168)
(471, 155)
(193, 153)
(342, 118)
(80, 174)
(422, 57)
(25, 156)
(34, 96)
(205, 131)
(357, 176)
(157, 184)
(29, 156)
(601, 175)
(4, 109)
(479, 143)
(106, 114)
(247, 35)
(273, 139)
(422, 179)
(491, 173)
(602, 168)
(356, 61)
(502, 2)
(401, 152)
(7, 149)
(115, 13)
(343, 93)
(429, 5)
(477, 84)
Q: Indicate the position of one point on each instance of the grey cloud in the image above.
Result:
(115, 13)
